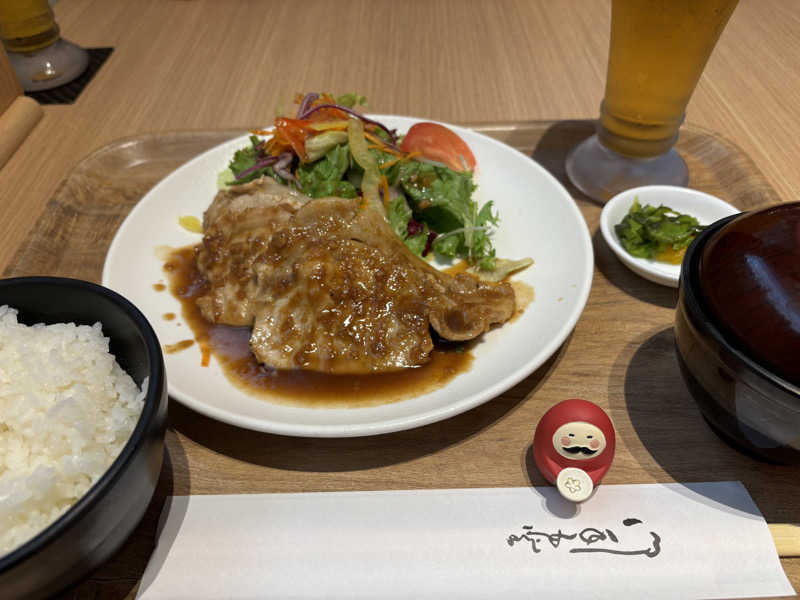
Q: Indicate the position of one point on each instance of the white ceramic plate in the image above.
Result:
(704, 207)
(538, 219)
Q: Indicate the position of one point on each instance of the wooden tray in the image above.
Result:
(621, 355)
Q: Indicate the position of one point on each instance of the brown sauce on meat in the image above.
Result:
(231, 349)
(523, 296)
(458, 267)
(523, 293)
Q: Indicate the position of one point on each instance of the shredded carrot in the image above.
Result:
(408, 156)
(261, 131)
(373, 138)
(394, 161)
(205, 354)
(384, 149)
(275, 146)
(385, 186)
(381, 144)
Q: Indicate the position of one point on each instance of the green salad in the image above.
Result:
(422, 181)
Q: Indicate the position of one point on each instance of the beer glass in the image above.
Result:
(657, 53)
(41, 59)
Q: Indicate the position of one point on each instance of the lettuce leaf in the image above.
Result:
(416, 243)
(351, 100)
(399, 216)
(225, 178)
(324, 177)
(443, 200)
(245, 158)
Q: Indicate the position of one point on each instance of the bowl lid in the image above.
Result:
(750, 277)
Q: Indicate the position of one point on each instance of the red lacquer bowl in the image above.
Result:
(737, 329)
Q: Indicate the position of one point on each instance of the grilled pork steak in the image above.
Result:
(327, 285)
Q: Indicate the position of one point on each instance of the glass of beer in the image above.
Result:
(658, 51)
(41, 59)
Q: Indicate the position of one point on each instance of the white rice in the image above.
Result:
(66, 411)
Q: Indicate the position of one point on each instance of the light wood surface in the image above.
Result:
(16, 123)
(201, 65)
(18, 114)
(9, 84)
(787, 538)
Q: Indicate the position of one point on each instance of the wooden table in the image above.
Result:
(200, 65)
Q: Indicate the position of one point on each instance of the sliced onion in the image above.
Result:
(325, 125)
(370, 184)
(259, 165)
(432, 235)
(356, 114)
(503, 267)
(306, 103)
(281, 167)
(319, 145)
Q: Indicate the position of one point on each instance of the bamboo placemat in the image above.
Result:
(621, 355)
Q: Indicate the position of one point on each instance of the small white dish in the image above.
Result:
(704, 207)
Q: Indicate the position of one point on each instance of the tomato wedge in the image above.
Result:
(437, 142)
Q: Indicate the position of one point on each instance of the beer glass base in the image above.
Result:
(49, 67)
(601, 173)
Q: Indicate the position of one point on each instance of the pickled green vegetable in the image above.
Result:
(659, 232)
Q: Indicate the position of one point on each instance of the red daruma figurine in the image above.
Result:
(573, 447)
